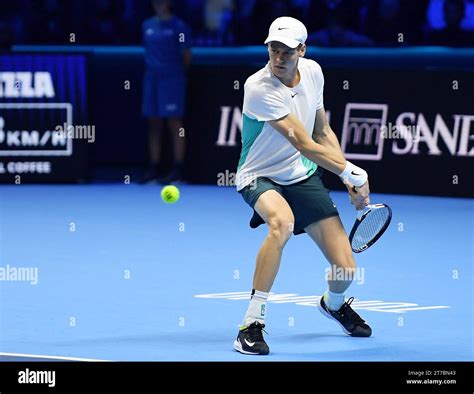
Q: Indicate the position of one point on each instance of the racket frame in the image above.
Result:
(361, 215)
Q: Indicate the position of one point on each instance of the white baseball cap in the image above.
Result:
(289, 31)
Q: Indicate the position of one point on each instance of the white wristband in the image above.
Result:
(353, 174)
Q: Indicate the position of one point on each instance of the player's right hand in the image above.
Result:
(359, 196)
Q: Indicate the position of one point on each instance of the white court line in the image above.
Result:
(49, 357)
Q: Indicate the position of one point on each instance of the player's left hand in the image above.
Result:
(359, 196)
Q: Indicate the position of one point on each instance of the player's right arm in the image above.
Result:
(328, 156)
(325, 156)
(324, 135)
(266, 103)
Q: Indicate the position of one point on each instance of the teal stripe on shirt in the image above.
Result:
(251, 129)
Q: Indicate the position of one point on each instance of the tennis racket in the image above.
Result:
(369, 226)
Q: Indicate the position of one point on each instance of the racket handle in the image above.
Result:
(361, 211)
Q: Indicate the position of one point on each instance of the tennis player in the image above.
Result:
(286, 143)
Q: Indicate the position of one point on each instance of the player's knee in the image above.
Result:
(345, 260)
(281, 228)
(349, 264)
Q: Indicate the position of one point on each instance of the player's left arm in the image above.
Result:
(322, 132)
(324, 135)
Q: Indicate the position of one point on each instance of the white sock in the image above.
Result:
(333, 301)
(257, 307)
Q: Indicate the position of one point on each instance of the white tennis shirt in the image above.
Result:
(265, 152)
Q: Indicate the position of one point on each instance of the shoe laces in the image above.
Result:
(346, 310)
(255, 332)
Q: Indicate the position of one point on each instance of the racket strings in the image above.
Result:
(370, 227)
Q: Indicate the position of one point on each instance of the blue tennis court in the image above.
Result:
(110, 272)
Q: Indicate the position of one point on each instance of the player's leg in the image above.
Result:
(277, 214)
(330, 236)
(316, 213)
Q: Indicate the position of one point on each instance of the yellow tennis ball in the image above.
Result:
(170, 194)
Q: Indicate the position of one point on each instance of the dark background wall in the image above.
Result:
(417, 80)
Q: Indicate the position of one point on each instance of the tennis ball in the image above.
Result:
(170, 194)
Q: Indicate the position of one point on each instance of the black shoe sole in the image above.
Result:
(238, 347)
(329, 316)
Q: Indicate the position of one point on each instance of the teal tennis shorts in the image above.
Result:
(309, 200)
